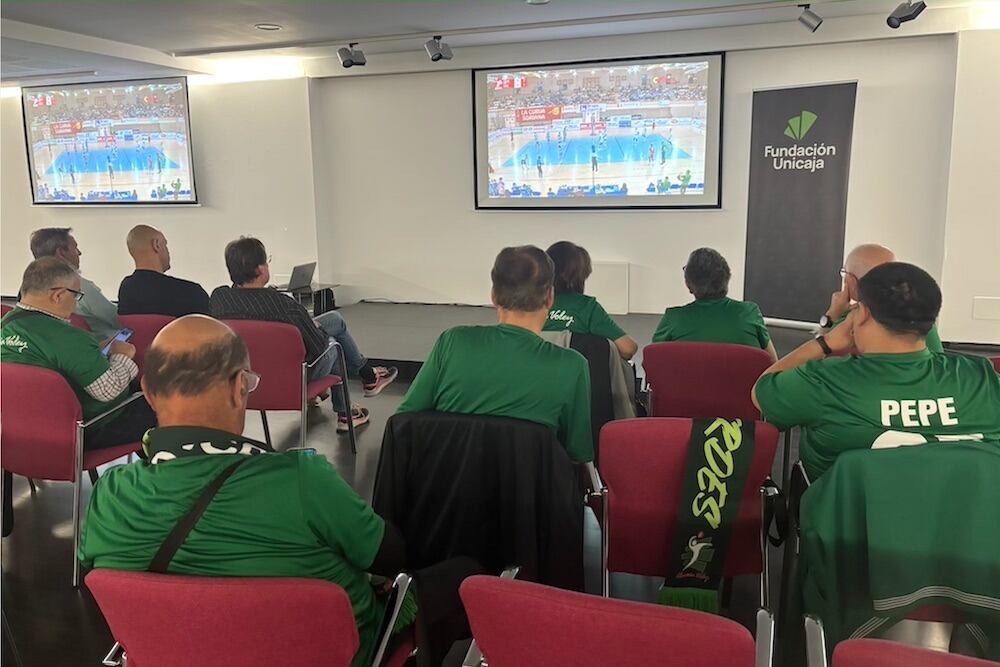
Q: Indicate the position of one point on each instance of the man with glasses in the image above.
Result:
(101, 315)
(278, 514)
(895, 392)
(37, 332)
(860, 261)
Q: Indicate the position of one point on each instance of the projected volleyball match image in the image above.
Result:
(122, 142)
(609, 131)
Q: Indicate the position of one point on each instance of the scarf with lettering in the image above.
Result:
(715, 472)
(173, 442)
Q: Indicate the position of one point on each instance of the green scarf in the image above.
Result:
(715, 472)
(173, 442)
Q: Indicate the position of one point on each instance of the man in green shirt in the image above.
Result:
(278, 515)
(860, 261)
(896, 392)
(507, 370)
(101, 315)
(713, 317)
(572, 310)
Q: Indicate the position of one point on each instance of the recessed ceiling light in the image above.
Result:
(269, 27)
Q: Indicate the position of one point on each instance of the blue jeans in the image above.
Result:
(333, 325)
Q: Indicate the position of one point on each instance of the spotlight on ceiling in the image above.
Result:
(907, 11)
(810, 19)
(437, 50)
(267, 27)
(350, 56)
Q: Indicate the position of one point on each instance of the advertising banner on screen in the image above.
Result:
(537, 114)
(800, 159)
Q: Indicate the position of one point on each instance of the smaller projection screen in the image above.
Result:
(605, 134)
(120, 142)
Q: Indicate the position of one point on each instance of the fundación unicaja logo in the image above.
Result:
(799, 157)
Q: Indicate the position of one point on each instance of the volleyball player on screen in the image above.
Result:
(538, 164)
(593, 158)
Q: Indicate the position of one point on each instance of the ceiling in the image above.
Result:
(142, 37)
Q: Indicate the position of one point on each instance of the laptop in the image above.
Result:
(301, 278)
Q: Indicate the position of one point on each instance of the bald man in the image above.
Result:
(278, 514)
(149, 290)
(859, 262)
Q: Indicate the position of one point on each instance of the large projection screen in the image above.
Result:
(117, 142)
(638, 133)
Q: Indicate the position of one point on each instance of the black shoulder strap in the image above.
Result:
(183, 528)
(15, 315)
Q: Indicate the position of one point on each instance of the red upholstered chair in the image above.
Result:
(5, 308)
(882, 653)
(79, 322)
(521, 624)
(642, 463)
(163, 620)
(996, 363)
(43, 434)
(146, 327)
(278, 354)
(703, 379)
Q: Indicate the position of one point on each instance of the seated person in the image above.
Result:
(896, 392)
(37, 332)
(149, 290)
(573, 310)
(713, 317)
(508, 370)
(286, 514)
(251, 299)
(859, 262)
(100, 314)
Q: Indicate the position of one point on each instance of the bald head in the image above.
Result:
(866, 257)
(148, 247)
(191, 355)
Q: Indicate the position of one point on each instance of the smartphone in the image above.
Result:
(122, 335)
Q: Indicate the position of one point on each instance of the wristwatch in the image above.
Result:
(827, 350)
(826, 322)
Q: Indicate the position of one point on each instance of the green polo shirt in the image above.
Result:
(279, 515)
(507, 371)
(876, 401)
(582, 314)
(722, 320)
(42, 340)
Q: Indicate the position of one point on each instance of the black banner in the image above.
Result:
(800, 156)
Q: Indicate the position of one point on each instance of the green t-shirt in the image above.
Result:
(581, 314)
(508, 371)
(882, 400)
(279, 515)
(42, 340)
(722, 320)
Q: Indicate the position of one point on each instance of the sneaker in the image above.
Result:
(383, 378)
(360, 415)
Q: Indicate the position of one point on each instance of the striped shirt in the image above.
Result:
(266, 304)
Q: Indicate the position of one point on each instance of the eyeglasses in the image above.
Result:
(844, 273)
(77, 294)
(253, 379)
(269, 258)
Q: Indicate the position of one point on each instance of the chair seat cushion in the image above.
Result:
(317, 387)
(99, 457)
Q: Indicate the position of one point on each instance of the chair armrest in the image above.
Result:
(597, 485)
(332, 344)
(764, 639)
(113, 410)
(393, 605)
(815, 642)
(114, 656)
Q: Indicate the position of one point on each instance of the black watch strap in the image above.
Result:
(823, 344)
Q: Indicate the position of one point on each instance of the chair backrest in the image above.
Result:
(79, 322)
(519, 623)
(276, 354)
(996, 363)
(145, 327)
(39, 412)
(882, 653)
(642, 464)
(163, 620)
(703, 379)
(5, 308)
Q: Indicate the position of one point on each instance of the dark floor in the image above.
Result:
(55, 625)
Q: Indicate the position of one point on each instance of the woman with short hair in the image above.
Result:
(574, 311)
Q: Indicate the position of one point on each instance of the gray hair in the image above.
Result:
(45, 273)
(707, 274)
(46, 242)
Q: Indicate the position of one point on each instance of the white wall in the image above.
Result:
(396, 217)
(971, 277)
(253, 166)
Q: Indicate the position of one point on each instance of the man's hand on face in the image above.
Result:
(841, 337)
(840, 303)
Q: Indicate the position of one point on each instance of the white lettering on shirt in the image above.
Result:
(913, 413)
(561, 316)
(15, 342)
